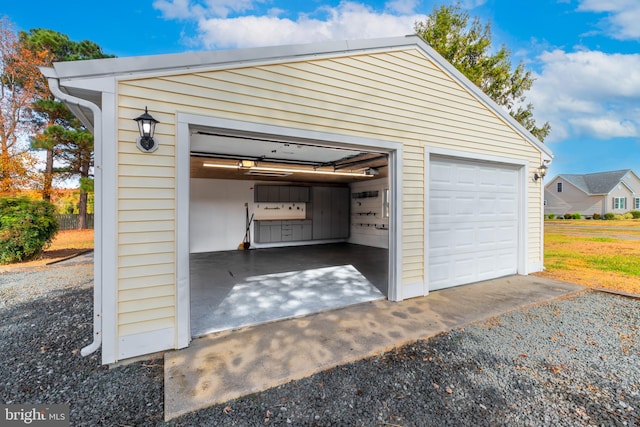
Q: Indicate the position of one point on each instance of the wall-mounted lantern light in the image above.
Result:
(147, 128)
(542, 171)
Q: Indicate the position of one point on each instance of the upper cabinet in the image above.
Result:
(281, 193)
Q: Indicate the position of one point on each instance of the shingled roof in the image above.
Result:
(596, 183)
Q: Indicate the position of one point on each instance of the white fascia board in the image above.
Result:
(580, 189)
(100, 84)
(234, 57)
(626, 185)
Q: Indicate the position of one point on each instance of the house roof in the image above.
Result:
(81, 79)
(596, 183)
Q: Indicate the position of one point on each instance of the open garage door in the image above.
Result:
(315, 221)
(473, 221)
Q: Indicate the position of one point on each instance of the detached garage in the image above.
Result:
(285, 180)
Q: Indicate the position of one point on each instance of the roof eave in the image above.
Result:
(113, 67)
(191, 60)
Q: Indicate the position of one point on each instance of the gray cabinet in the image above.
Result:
(269, 231)
(283, 231)
(281, 193)
(299, 194)
(330, 212)
(267, 193)
(287, 231)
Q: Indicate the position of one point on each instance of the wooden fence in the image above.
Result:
(70, 221)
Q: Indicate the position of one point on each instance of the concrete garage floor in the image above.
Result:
(233, 289)
(226, 365)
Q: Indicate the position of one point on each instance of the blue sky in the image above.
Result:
(584, 54)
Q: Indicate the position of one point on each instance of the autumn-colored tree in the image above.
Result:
(466, 44)
(20, 86)
(64, 138)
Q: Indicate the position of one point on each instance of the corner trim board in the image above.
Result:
(145, 343)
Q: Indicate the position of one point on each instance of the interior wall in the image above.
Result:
(369, 226)
(217, 214)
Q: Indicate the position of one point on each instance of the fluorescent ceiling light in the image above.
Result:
(286, 170)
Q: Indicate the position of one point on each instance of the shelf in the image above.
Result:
(365, 194)
(376, 226)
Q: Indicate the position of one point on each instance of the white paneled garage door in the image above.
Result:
(473, 221)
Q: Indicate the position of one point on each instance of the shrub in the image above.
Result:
(609, 216)
(26, 228)
(596, 216)
(576, 215)
(568, 216)
(552, 216)
(635, 214)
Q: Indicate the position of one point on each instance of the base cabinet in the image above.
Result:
(282, 231)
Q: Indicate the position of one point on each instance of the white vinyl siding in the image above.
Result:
(398, 96)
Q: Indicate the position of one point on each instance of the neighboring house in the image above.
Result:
(616, 192)
(440, 176)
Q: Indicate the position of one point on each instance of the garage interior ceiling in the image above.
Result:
(225, 156)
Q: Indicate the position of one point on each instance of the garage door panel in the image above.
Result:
(458, 269)
(446, 270)
(440, 206)
(464, 206)
(439, 240)
(473, 222)
(450, 206)
(472, 237)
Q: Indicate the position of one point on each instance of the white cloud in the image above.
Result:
(623, 16)
(174, 9)
(348, 20)
(603, 127)
(472, 4)
(588, 93)
(226, 23)
(405, 7)
(202, 9)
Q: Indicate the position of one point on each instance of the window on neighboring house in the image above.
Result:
(619, 203)
(636, 203)
(559, 187)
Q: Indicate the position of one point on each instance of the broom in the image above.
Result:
(246, 243)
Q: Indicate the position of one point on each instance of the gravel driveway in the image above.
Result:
(573, 362)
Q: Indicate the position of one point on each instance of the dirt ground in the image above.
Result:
(598, 254)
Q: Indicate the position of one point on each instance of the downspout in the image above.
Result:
(54, 86)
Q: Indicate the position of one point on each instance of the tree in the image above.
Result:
(51, 115)
(77, 157)
(467, 46)
(20, 85)
(64, 138)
